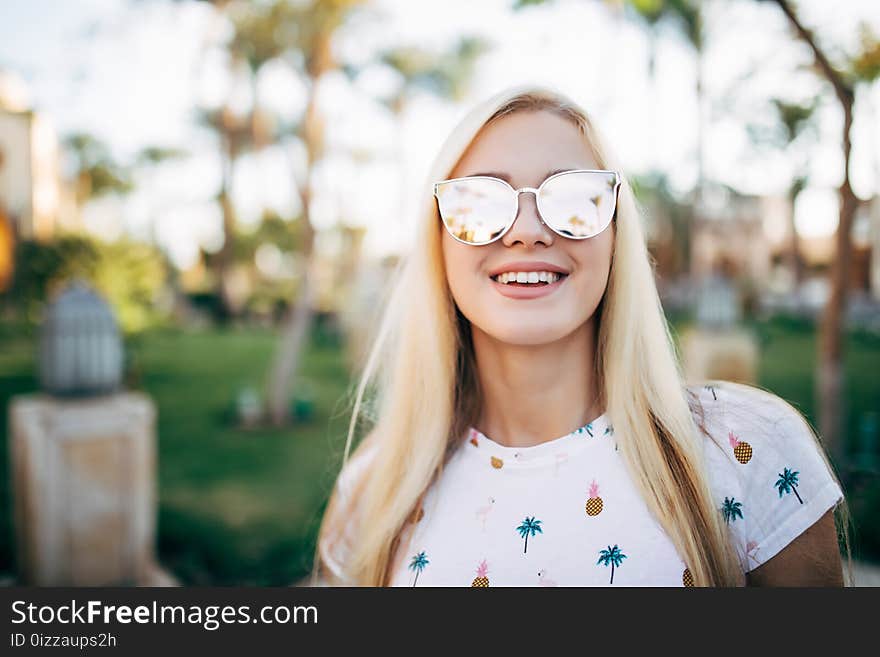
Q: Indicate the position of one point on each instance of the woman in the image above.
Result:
(533, 425)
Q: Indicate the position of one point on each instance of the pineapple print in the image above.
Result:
(741, 450)
(594, 503)
(473, 440)
(482, 578)
(496, 462)
(686, 578)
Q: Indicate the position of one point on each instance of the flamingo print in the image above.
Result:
(752, 550)
(483, 512)
(543, 580)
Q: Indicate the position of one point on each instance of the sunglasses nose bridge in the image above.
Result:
(533, 190)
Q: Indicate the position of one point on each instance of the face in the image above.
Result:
(526, 146)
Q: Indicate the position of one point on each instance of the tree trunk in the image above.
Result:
(319, 60)
(294, 334)
(829, 374)
(298, 321)
(831, 350)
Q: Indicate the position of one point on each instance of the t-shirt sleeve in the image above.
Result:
(334, 549)
(767, 470)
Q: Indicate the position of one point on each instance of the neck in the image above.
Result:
(532, 394)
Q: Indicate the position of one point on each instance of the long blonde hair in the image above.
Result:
(426, 387)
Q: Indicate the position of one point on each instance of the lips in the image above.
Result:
(527, 291)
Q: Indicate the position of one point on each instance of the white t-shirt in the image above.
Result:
(566, 513)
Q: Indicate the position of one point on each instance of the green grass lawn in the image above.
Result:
(235, 506)
(243, 507)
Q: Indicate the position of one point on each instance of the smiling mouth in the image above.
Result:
(540, 283)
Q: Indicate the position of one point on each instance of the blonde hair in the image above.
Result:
(427, 391)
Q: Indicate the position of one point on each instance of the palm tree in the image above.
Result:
(418, 564)
(298, 35)
(731, 510)
(612, 556)
(308, 29)
(788, 483)
(529, 526)
(252, 45)
(863, 68)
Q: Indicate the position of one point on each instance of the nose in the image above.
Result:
(528, 228)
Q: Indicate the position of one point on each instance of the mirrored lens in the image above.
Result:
(475, 210)
(579, 204)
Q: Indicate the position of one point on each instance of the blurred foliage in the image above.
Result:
(132, 276)
(866, 64)
(97, 172)
(269, 292)
(447, 74)
(272, 229)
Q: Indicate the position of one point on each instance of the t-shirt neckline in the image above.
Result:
(596, 430)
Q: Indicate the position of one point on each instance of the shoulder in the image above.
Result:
(340, 523)
(354, 471)
(730, 414)
(770, 476)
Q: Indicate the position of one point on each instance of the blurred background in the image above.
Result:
(201, 202)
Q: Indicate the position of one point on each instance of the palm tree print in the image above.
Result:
(608, 430)
(712, 390)
(418, 564)
(529, 526)
(788, 483)
(612, 556)
(587, 428)
(731, 510)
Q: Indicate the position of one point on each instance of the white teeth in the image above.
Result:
(528, 277)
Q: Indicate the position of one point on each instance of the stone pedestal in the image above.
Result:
(84, 490)
(730, 354)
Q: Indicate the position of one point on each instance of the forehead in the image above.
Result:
(526, 145)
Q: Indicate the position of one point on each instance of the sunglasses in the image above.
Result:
(576, 204)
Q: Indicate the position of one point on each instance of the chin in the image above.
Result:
(527, 334)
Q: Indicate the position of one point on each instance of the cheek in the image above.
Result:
(594, 265)
(462, 265)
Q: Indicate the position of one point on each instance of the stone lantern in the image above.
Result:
(80, 346)
(83, 456)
